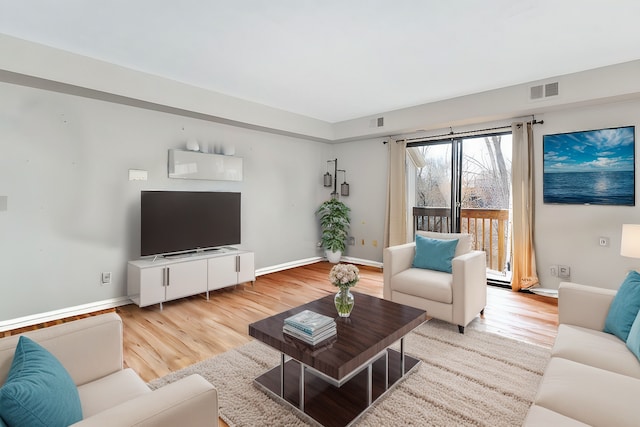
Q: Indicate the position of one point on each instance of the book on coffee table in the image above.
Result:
(314, 339)
(309, 321)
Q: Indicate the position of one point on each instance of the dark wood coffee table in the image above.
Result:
(334, 382)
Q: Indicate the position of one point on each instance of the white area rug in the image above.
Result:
(475, 379)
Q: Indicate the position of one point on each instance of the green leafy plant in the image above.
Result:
(334, 222)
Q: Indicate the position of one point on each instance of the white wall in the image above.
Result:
(72, 213)
(568, 234)
(366, 166)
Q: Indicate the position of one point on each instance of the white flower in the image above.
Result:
(344, 275)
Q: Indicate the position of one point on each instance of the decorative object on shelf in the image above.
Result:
(334, 222)
(344, 276)
(192, 144)
(329, 181)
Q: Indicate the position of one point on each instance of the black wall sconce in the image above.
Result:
(329, 181)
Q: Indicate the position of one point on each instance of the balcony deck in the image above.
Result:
(489, 228)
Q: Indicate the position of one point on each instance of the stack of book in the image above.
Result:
(310, 327)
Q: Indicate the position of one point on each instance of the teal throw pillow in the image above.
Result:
(38, 391)
(633, 340)
(624, 307)
(434, 254)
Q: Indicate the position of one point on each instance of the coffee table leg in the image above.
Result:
(369, 383)
(402, 357)
(282, 375)
(386, 370)
(302, 387)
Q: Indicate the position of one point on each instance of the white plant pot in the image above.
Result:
(333, 257)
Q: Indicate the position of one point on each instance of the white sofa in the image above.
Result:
(592, 377)
(455, 297)
(91, 351)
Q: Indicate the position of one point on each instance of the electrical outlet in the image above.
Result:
(106, 277)
(351, 241)
(553, 270)
(603, 241)
(564, 271)
(375, 243)
(362, 242)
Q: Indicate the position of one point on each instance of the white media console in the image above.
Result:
(156, 280)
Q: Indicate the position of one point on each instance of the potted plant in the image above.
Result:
(334, 222)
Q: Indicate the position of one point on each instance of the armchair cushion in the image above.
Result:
(624, 308)
(434, 254)
(38, 390)
(428, 284)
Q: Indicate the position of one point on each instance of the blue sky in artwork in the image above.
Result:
(590, 151)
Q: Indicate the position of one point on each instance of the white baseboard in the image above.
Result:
(287, 265)
(361, 261)
(35, 319)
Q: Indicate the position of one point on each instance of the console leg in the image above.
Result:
(482, 312)
(461, 329)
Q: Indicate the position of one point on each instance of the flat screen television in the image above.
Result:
(592, 167)
(174, 222)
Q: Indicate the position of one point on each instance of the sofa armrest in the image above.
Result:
(469, 286)
(394, 260)
(190, 401)
(88, 348)
(585, 306)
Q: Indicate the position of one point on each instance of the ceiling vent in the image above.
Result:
(380, 122)
(543, 91)
(537, 92)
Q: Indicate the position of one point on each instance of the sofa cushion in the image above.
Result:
(428, 284)
(543, 417)
(38, 390)
(110, 391)
(595, 348)
(465, 241)
(434, 254)
(624, 307)
(633, 340)
(590, 395)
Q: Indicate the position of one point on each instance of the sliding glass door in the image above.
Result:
(464, 185)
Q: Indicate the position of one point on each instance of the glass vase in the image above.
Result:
(344, 302)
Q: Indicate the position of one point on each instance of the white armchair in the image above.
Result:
(455, 297)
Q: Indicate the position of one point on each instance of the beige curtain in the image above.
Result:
(524, 257)
(395, 225)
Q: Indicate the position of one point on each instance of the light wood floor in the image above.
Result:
(193, 329)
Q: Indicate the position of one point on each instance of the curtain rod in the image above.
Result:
(453, 134)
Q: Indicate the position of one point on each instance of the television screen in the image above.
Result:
(595, 167)
(184, 221)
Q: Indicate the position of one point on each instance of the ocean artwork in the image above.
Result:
(595, 167)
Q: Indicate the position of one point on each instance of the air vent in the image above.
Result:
(551, 89)
(380, 122)
(544, 91)
(537, 92)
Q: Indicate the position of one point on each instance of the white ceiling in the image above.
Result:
(336, 60)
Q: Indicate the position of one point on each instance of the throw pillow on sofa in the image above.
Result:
(38, 390)
(633, 340)
(624, 307)
(434, 254)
